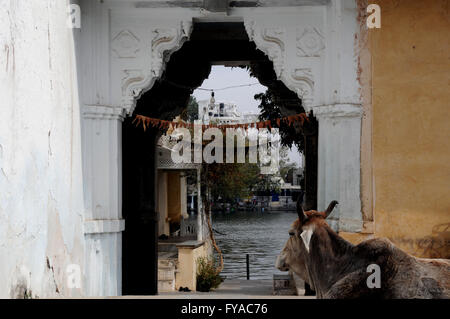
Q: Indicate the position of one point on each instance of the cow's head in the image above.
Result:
(294, 254)
(292, 257)
(311, 221)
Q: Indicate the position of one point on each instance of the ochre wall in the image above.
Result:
(173, 197)
(187, 266)
(411, 125)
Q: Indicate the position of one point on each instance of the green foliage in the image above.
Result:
(285, 164)
(271, 110)
(267, 184)
(191, 112)
(207, 276)
(229, 181)
(27, 294)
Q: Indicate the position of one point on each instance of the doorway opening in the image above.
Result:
(214, 43)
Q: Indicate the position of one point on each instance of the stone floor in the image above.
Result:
(229, 289)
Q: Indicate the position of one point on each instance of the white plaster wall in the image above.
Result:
(314, 53)
(339, 117)
(41, 199)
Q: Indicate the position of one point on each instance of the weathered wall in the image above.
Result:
(41, 203)
(411, 154)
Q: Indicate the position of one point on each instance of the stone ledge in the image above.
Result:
(368, 227)
(342, 224)
(190, 244)
(101, 226)
(283, 285)
(338, 110)
(102, 112)
(350, 225)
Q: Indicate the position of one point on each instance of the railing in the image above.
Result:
(287, 202)
(188, 227)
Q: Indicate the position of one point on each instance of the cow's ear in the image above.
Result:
(301, 213)
(330, 208)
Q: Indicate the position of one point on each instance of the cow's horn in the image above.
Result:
(301, 214)
(330, 208)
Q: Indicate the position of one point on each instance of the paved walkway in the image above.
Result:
(229, 289)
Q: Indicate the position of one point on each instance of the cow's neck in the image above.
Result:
(330, 258)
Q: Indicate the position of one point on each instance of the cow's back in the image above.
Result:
(406, 276)
(434, 277)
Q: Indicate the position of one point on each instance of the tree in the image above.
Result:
(190, 113)
(267, 184)
(271, 110)
(305, 137)
(285, 164)
(227, 182)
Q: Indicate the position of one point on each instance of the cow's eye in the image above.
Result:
(291, 233)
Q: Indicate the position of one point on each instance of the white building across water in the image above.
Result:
(221, 112)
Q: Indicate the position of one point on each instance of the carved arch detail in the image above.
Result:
(272, 41)
(304, 85)
(137, 81)
(269, 40)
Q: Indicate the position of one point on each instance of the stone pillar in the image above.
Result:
(103, 226)
(339, 164)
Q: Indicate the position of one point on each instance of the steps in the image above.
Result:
(168, 263)
(167, 247)
(167, 266)
(166, 274)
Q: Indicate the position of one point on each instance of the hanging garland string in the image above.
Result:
(210, 89)
(164, 125)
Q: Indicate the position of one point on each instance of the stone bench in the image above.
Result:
(284, 285)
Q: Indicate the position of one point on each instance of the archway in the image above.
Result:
(124, 49)
(210, 44)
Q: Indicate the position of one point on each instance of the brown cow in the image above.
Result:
(336, 268)
(292, 256)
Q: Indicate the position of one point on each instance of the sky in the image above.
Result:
(243, 97)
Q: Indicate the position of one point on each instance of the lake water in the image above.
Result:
(260, 234)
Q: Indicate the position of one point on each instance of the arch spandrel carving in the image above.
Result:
(125, 45)
(270, 40)
(303, 81)
(310, 42)
(135, 81)
(296, 74)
